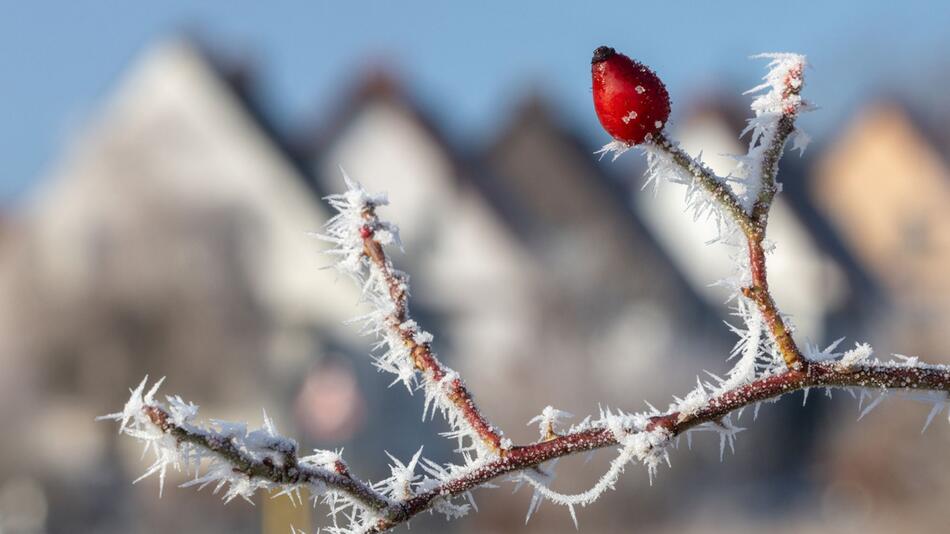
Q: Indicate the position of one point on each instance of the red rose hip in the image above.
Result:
(630, 100)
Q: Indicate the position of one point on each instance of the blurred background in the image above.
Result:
(162, 166)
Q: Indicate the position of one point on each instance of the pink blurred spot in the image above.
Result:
(330, 406)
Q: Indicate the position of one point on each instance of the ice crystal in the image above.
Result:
(548, 421)
(615, 148)
(861, 353)
(400, 483)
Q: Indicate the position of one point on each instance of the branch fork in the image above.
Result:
(771, 365)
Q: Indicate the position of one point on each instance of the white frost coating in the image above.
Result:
(347, 231)
(693, 402)
(549, 420)
(755, 352)
(343, 230)
(748, 347)
(860, 354)
(210, 468)
(800, 141)
(814, 354)
(438, 474)
(614, 148)
(323, 458)
(400, 483)
(778, 95)
(727, 433)
(784, 76)
(636, 443)
(661, 168)
(758, 355)
(646, 447)
(135, 423)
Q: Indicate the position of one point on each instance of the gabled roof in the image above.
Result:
(933, 127)
(380, 85)
(594, 195)
(239, 76)
(183, 131)
(885, 127)
(484, 174)
(376, 84)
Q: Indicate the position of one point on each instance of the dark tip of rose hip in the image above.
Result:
(602, 53)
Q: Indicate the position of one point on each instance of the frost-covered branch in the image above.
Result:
(227, 456)
(646, 437)
(774, 121)
(768, 363)
(740, 203)
(775, 112)
(359, 236)
(246, 462)
(669, 161)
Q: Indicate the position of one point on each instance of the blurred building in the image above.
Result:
(886, 187)
(528, 249)
(172, 239)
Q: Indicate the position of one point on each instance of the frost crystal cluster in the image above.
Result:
(768, 363)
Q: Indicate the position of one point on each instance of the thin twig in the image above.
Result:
(708, 180)
(872, 376)
(423, 358)
(754, 231)
(290, 472)
(754, 224)
(880, 376)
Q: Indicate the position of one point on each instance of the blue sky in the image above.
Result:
(469, 62)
